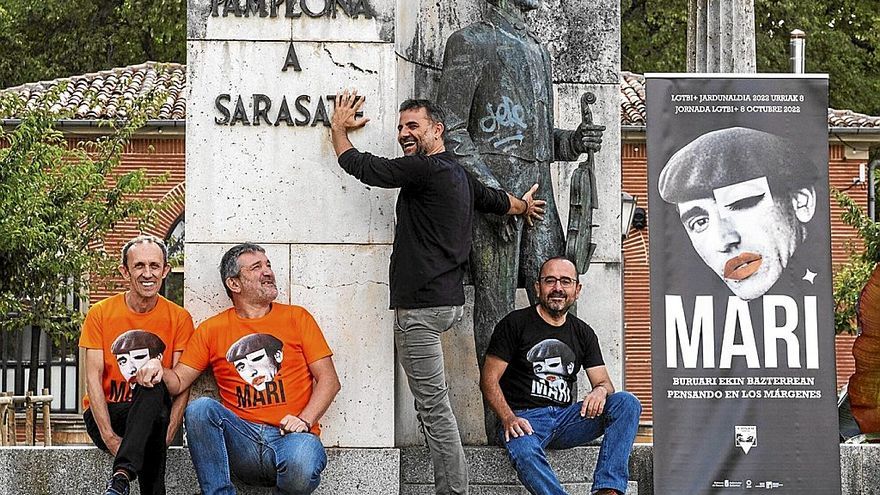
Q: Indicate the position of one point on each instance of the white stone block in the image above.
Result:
(309, 20)
(345, 287)
(601, 306)
(204, 295)
(282, 184)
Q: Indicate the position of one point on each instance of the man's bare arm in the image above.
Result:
(594, 402)
(325, 389)
(97, 401)
(177, 407)
(177, 379)
(513, 426)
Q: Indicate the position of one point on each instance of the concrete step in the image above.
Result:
(490, 471)
(371, 471)
(570, 488)
(85, 470)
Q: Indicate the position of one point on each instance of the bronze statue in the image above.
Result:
(497, 91)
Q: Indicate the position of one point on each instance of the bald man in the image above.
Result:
(744, 204)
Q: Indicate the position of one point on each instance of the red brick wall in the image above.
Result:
(157, 157)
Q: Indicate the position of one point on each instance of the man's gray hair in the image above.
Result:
(144, 239)
(229, 267)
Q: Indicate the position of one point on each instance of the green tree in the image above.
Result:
(653, 35)
(49, 39)
(842, 41)
(58, 201)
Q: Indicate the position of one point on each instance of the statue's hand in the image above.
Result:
(588, 137)
(509, 227)
(505, 226)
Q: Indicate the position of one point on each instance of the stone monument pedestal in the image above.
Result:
(260, 168)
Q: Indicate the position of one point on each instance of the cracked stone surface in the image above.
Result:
(349, 65)
(282, 184)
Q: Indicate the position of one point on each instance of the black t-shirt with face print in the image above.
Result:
(543, 360)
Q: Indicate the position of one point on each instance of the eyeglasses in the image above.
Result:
(564, 281)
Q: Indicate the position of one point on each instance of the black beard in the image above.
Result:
(555, 313)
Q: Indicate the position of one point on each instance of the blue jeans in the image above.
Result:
(261, 456)
(563, 428)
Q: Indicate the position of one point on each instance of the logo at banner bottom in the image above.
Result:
(746, 437)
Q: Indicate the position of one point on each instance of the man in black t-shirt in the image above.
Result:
(531, 366)
(432, 241)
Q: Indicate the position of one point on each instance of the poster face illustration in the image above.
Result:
(133, 349)
(744, 390)
(553, 364)
(257, 358)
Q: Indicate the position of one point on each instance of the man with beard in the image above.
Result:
(432, 240)
(534, 402)
(231, 437)
(497, 90)
(119, 335)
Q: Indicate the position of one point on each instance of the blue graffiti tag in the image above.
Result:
(507, 115)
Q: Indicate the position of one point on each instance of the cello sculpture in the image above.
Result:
(579, 247)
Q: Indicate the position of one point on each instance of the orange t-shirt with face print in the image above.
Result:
(129, 339)
(261, 364)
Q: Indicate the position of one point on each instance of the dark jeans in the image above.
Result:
(143, 425)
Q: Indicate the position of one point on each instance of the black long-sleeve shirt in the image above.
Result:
(435, 211)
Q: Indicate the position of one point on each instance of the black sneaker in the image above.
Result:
(118, 485)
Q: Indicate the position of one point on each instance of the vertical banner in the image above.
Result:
(742, 316)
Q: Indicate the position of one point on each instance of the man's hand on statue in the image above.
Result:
(594, 402)
(534, 207)
(150, 373)
(588, 138)
(348, 104)
(516, 427)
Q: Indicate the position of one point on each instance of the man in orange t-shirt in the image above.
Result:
(120, 334)
(273, 367)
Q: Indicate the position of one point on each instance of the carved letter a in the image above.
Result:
(291, 60)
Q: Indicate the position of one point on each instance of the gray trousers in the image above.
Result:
(417, 337)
